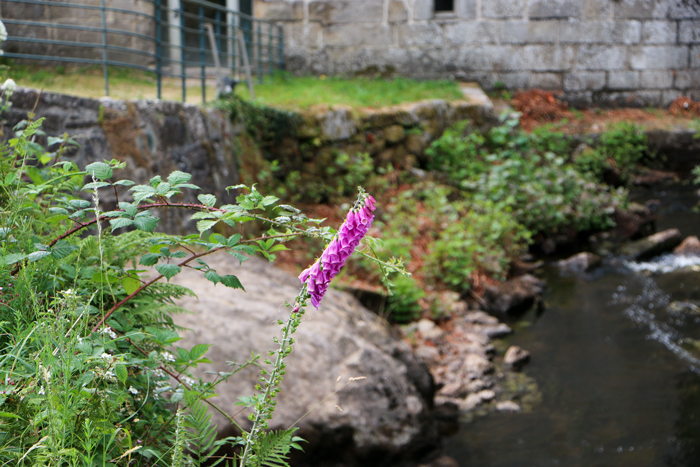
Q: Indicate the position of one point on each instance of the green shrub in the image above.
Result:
(621, 148)
(403, 305)
(481, 237)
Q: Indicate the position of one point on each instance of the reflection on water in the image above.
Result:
(616, 359)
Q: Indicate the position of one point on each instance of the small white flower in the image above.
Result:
(107, 330)
(188, 381)
(105, 356)
(41, 391)
(133, 390)
(9, 86)
(158, 373)
(70, 293)
(167, 356)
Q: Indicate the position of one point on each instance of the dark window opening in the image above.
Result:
(444, 5)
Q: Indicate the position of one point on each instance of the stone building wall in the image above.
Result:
(133, 21)
(626, 52)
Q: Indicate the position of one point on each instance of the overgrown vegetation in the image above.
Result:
(89, 374)
(487, 198)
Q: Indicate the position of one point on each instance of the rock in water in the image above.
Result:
(516, 357)
(513, 296)
(689, 247)
(653, 245)
(581, 262)
(382, 418)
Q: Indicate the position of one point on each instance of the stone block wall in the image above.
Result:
(132, 20)
(152, 137)
(603, 52)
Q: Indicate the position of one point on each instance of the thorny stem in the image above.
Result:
(147, 284)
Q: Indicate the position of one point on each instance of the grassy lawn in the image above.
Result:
(283, 90)
(305, 91)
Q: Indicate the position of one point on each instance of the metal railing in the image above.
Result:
(182, 39)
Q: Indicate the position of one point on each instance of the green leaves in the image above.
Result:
(168, 270)
(99, 170)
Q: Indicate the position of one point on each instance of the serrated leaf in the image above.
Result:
(184, 354)
(94, 186)
(149, 259)
(130, 284)
(268, 200)
(99, 170)
(232, 281)
(11, 259)
(212, 276)
(145, 221)
(57, 210)
(120, 222)
(198, 350)
(203, 215)
(177, 177)
(218, 238)
(124, 183)
(168, 270)
(205, 225)
(207, 200)
(37, 255)
(163, 188)
(79, 203)
(121, 372)
(62, 249)
(86, 378)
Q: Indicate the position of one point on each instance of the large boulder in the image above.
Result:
(377, 420)
(653, 245)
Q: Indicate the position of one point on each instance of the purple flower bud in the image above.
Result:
(319, 275)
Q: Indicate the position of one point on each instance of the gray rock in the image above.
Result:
(513, 296)
(581, 262)
(516, 357)
(653, 245)
(427, 353)
(476, 366)
(387, 414)
(425, 325)
(500, 330)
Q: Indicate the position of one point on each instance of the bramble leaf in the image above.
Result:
(120, 222)
(232, 281)
(168, 270)
(207, 200)
(99, 170)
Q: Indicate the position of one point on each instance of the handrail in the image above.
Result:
(169, 42)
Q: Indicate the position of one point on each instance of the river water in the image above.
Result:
(616, 367)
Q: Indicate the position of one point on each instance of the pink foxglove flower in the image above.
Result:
(319, 275)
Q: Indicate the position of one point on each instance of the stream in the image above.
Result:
(616, 367)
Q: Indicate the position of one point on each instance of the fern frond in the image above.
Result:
(272, 448)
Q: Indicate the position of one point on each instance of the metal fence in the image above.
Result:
(183, 39)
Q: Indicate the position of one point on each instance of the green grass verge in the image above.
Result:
(302, 92)
(282, 90)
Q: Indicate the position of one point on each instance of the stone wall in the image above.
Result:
(395, 137)
(132, 20)
(625, 52)
(153, 137)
